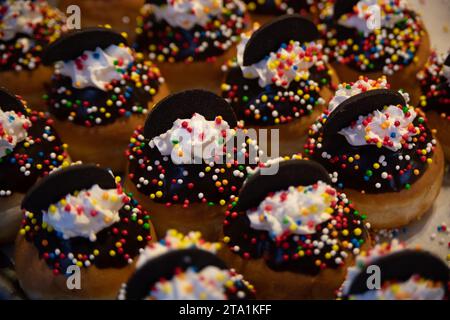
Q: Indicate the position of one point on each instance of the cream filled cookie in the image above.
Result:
(29, 149)
(191, 39)
(184, 268)
(188, 162)
(405, 274)
(292, 235)
(380, 152)
(397, 45)
(119, 14)
(79, 216)
(281, 82)
(100, 91)
(434, 82)
(26, 27)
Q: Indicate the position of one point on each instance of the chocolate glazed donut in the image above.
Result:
(186, 196)
(97, 119)
(393, 187)
(289, 108)
(43, 255)
(293, 266)
(30, 159)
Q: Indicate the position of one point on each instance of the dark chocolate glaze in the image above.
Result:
(134, 223)
(40, 157)
(141, 155)
(338, 37)
(161, 34)
(435, 86)
(13, 57)
(134, 99)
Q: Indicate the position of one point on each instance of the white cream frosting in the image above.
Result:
(389, 128)
(20, 18)
(86, 213)
(97, 68)
(364, 10)
(176, 241)
(297, 210)
(189, 140)
(290, 62)
(207, 284)
(413, 289)
(13, 130)
(187, 13)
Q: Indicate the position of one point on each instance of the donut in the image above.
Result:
(434, 82)
(293, 235)
(26, 27)
(120, 15)
(30, 149)
(79, 216)
(189, 45)
(99, 92)
(281, 82)
(398, 47)
(184, 165)
(380, 151)
(405, 274)
(184, 267)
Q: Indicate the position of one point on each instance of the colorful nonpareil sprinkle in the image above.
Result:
(26, 27)
(200, 40)
(328, 246)
(116, 245)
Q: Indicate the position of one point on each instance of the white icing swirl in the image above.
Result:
(13, 130)
(290, 62)
(346, 91)
(187, 13)
(390, 14)
(415, 288)
(97, 68)
(207, 284)
(86, 213)
(175, 241)
(297, 210)
(389, 128)
(194, 140)
(20, 18)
